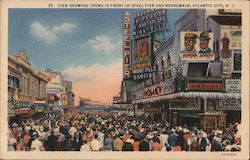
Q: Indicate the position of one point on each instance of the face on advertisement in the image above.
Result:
(204, 44)
(189, 44)
(204, 40)
(190, 41)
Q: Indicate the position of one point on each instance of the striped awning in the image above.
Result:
(189, 94)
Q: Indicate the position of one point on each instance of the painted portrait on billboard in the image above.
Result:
(196, 46)
(142, 50)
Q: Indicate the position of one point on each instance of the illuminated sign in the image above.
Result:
(233, 85)
(198, 86)
(126, 47)
(196, 46)
(149, 21)
(183, 104)
(153, 91)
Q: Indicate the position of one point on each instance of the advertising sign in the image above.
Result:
(153, 91)
(22, 111)
(184, 105)
(142, 53)
(196, 46)
(64, 99)
(201, 86)
(54, 79)
(229, 104)
(126, 46)
(233, 85)
(142, 59)
(149, 21)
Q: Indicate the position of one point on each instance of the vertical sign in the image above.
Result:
(126, 46)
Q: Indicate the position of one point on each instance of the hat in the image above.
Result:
(190, 36)
(204, 36)
(14, 125)
(129, 140)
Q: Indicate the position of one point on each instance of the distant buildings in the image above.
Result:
(33, 93)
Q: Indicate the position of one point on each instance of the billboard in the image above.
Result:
(54, 79)
(149, 21)
(64, 99)
(142, 68)
(196, 46)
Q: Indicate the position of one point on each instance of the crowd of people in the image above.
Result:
(74, 131)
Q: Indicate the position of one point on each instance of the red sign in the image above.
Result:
(22, 111)
(153, 91)
(205, 86)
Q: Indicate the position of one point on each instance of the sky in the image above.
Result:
(85, 45)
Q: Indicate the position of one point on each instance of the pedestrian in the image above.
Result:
(52, 142)
(172, 139)
(156, 145)
(94, 143)
(85, 147)
(109, 142)
(136, 143)
(118, 143)
(128, 146)
(144, 144)
(36, 145)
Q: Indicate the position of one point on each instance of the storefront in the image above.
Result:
(154, 112)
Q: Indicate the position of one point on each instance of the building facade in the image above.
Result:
(25, 85)
(198, 89)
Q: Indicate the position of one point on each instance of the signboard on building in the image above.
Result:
(54, 79)
(149, 21)
(153, 91)
(126, 47)
(196, 46)
(64, 100)
(205, 86)
(22, 111)
(229, 104)
(182, 104)
(233, 85)
(168, 86)
(153, 110)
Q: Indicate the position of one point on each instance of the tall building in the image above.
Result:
(25, 85)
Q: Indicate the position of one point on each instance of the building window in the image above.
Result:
(237, 60)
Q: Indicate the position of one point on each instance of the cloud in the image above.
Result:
(97, 82)
(50, 34)
(105, 44)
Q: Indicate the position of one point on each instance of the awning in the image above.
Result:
(189, 94)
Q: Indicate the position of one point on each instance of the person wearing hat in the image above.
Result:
(118, 143)
(204, 41)
(189, 42)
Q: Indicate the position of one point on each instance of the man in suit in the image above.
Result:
(204, 41)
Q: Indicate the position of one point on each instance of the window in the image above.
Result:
(237, 60)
